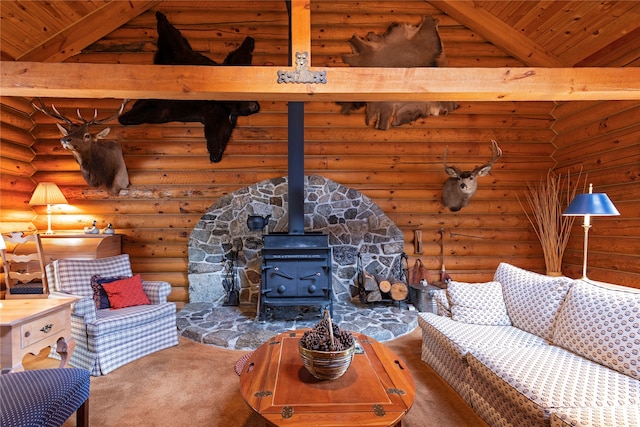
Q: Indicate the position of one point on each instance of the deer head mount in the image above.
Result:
(461, 185)
(101, 162)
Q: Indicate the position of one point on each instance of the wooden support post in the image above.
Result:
(300, 28)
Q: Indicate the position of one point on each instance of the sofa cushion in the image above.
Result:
(478, 303)
(532, 300)
(464, 338)
(613, 416)
(526, 384)
(602, 324)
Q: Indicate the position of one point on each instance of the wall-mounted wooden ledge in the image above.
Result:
(67, 80)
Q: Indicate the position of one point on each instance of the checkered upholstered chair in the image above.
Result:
(43, 398)
(109, 338)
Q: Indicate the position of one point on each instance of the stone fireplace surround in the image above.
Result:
(353, 222)
(355, 225)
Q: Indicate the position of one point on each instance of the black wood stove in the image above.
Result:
(296, 271)
(296, 266)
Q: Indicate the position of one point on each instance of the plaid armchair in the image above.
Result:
(109, 338)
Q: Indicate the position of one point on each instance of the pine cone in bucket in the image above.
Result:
(326, 350)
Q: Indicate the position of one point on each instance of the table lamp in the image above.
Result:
(588, 205)
(47, 193)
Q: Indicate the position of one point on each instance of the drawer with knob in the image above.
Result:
(43, 327)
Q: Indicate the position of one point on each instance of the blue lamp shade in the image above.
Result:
(595, 204)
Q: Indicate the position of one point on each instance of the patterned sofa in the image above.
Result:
(532, 350)
(108, 338)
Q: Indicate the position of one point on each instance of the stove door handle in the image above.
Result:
(280, 273)
(311, 276)
(276, 270)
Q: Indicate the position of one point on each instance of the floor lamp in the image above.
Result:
(588, 205)
(47, 193)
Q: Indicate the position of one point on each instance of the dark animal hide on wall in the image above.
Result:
(406, 46)
(219, 117)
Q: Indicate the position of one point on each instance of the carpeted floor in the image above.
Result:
(194, 384)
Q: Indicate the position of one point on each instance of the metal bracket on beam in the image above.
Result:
(302, 74)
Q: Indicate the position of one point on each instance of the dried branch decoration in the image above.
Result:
(547, 201)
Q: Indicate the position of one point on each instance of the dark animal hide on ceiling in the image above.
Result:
(406, 46)
(219, 117)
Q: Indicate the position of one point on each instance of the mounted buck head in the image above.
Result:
(462, 185)
(101, 162)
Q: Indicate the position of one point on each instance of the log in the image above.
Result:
(399, 291)
(373, 296)
(384, 284)
(369, 283)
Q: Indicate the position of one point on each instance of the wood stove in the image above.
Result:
(296, 266)
(296, 271)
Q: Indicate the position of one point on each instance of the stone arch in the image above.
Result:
(354, 223)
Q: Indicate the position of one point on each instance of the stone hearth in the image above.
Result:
(236, 327)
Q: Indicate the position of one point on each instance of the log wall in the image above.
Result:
(16, 168)
(603, 140)
(173, 182)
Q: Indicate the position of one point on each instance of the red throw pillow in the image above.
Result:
(126, 292)
(100, 297)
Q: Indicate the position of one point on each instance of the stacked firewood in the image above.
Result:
(374, 288)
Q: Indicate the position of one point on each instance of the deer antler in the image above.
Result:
(90, 122)
(495, 148)
(55, 114)
(59, 116)
(93, 120)
(444, 159)
(107, 119)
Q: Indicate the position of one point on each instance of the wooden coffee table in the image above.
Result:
(376, 390)
(29, 325)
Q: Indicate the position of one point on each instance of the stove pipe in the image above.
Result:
(296, 167)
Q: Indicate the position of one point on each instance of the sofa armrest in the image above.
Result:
(157, 291)
(83, 307)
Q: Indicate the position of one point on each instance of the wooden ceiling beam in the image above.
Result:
(86, 31)
(499, 33)
(70, 80)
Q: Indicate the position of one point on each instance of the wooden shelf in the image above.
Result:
(79, 246)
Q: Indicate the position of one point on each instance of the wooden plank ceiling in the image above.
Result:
(538, 33)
